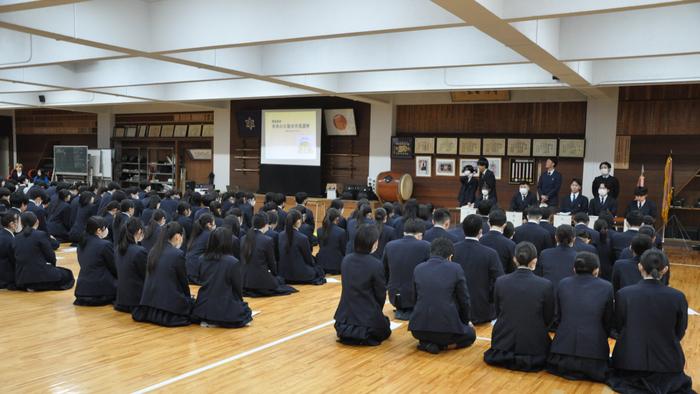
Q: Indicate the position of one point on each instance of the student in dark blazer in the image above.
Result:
(486, 177)
(580, 349)
(523, 198)
(410, 211)
(626, 271)
(147, 213)
(604, 202)
(197, 245)
(274, 235)
(359, 319)
(649, 231)
(97, 279)
(549, 183)
(183, 215)
(340, 206)
(35, 260)
(126, 211)
(400, 258)
(58, 223)
(130, 259)
(581, 222)
(363, 215)
(481, 267)
(281, 214)
(296, 264)
(651, 319)
(306, 228)
(170, 202)
(533, 232)
(332, 241)
(220, 299)
(106, 197)
(642, 204)
(37, 197)
(546, 224)
(166, 298)
(525, 310)
(302, 198)
(605, 177)
(108, 213)
(604, 248)
(260, 276)
(441, 317)
(85, 207)
(575, 202)
(386, 232)
(10, 223)
(469, 185)
(623, 240)
(557, 263)
(484, 208)
(486, 195)
(495, 240)
(441, 224)
(584, 243)
(152, 229)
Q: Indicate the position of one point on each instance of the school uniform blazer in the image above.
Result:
(146, 215)
(652, 319)
(649, 208)
(166, 288)
(585, 305)
(491, 198)
(595, 236)
(78, 227)
(481, 267)
(442, 298)
(519, 203)
(274, 235)
(296, 262)
(221, 296)
(201, 211)
(7, 259)
(353, 225)
(550, 229)
(613, 185)
(580, 204)
(247, 211)
(138, 207)
(596, 207)
(363, 295)
(605, 255)
(400, 259)
(467, 190)
(308, 230)
(186, 224)
(105, 199)
(581, 246)
(281, 219)
(98, 273)
(388, 234)
(556, 263)
(438, 232)
(309, 214)
(169, 206)
(490, 179)
(534, 233)
(343, 223)
(261, 271)
(131, 272)
(458, 233)
(58, 223)
(35, 260)
(503, 246)
(332, 249)
(74, 205)
(626, 273)
(525, 309)
(150, 242)
(40, 213)
(549, 185)
(194, 251)
(621, 241)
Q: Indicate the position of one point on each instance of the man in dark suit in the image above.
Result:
(623, 240)
(523, 198)
(546, 224)
(482, 267)
(613, 185)
(549, 184)
(581, 221)
(486, 177)
(467, 192)
(441, 222)
(575, 202)
(533, 232)
(604, 202)
(642, 204)
(495, 240)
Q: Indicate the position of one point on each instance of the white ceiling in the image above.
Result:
(101, 52)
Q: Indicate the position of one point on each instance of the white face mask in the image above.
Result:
(604, 171)
(485, 192)
(524, 190)
(105, 233)
(602, 192)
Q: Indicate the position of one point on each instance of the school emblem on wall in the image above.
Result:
(250, 123)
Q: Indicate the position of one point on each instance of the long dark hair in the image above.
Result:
(601, 226)
(93, 224)
(220, 244)
(259, 221)
(128, 234)
(410, 209)
(28, 219)
(153, 224)
(153, 202)
(332, 215)
(379, 217)
(61, 196)
(200, 225)
(182, 207)
(169, 231)
(85, 198)
(654, 262)
(110, 206)
(215, 208)
(292, 217)
(119, 220)
(231, 222)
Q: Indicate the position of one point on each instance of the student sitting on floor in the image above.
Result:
(332, 241)
(231, 222)
(296, 263)
(604, 248)
(10, 224)
(126, 210)
(584, 243)
(203, 226)
(580, 348)
(260, 277)
(359, 319)
(533, 232)
(525, 308)
(166, 298)
(386, 232)
(441, 317)
(108, 213)
(130, 259)
(182, 215)
(35, 260)
(652, 319)
(557, 263)
(441, 223)
(220, 300)
(626, 271)
(97, 279)
(152, 229)
(496, 240)
(58, 223)
(363, 215)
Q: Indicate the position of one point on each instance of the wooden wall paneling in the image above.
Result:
(164, 118)
(54, 122)
(654, 110)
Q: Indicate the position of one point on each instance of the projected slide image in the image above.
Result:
(291, 137)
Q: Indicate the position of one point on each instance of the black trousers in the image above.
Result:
(444, 339)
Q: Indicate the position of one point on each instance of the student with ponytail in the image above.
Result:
(220, 300)
(83, 212)
(130, 259)
(332, 241)
(652, 319)
(296, 263)
(386, 232)
(231, 222)
(152, 229)
(126, 210)
(183, 215)
(58, 223)
(260, 277)
(97, 279)
(525, 310)
(108, 213)
(147, 213)
(201, 230)
(363, 215)
(166, 298)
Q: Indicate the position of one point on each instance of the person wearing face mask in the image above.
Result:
(575, 202)
(97, 279)
(486, 195)
(523, 198)
(603, 202)
(467, 192)
(487, 180)
(549, 184)
(10, 221)
(613, 185)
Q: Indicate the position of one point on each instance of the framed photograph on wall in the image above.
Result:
(424, 146)
(423, 168)
(446, 146)
(572, 148)
(402, 147)
(142, 130)
(167, 130)
(495, 166)
(494, 147)
(544, 147)
(180, 130)
(465, 162)
(130, 131)
(208, 130)
(445, 167)
(519, 146)
(154, 130)
(469, 146)
(118, 131)
(195, 130)
(340, 122)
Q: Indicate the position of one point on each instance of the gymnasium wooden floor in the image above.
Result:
(47, 344)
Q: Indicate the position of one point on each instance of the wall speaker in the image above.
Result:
(42, 98)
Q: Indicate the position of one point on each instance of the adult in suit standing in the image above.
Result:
(557, 263)
(523, 198)
(613, 185)
(533, 232)
(441, 317)
(603, 202)
(549, 183)
(469, 184)
(486, 177)
(495, 240)
(575, 202)
(441, 223)
(645, 206)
